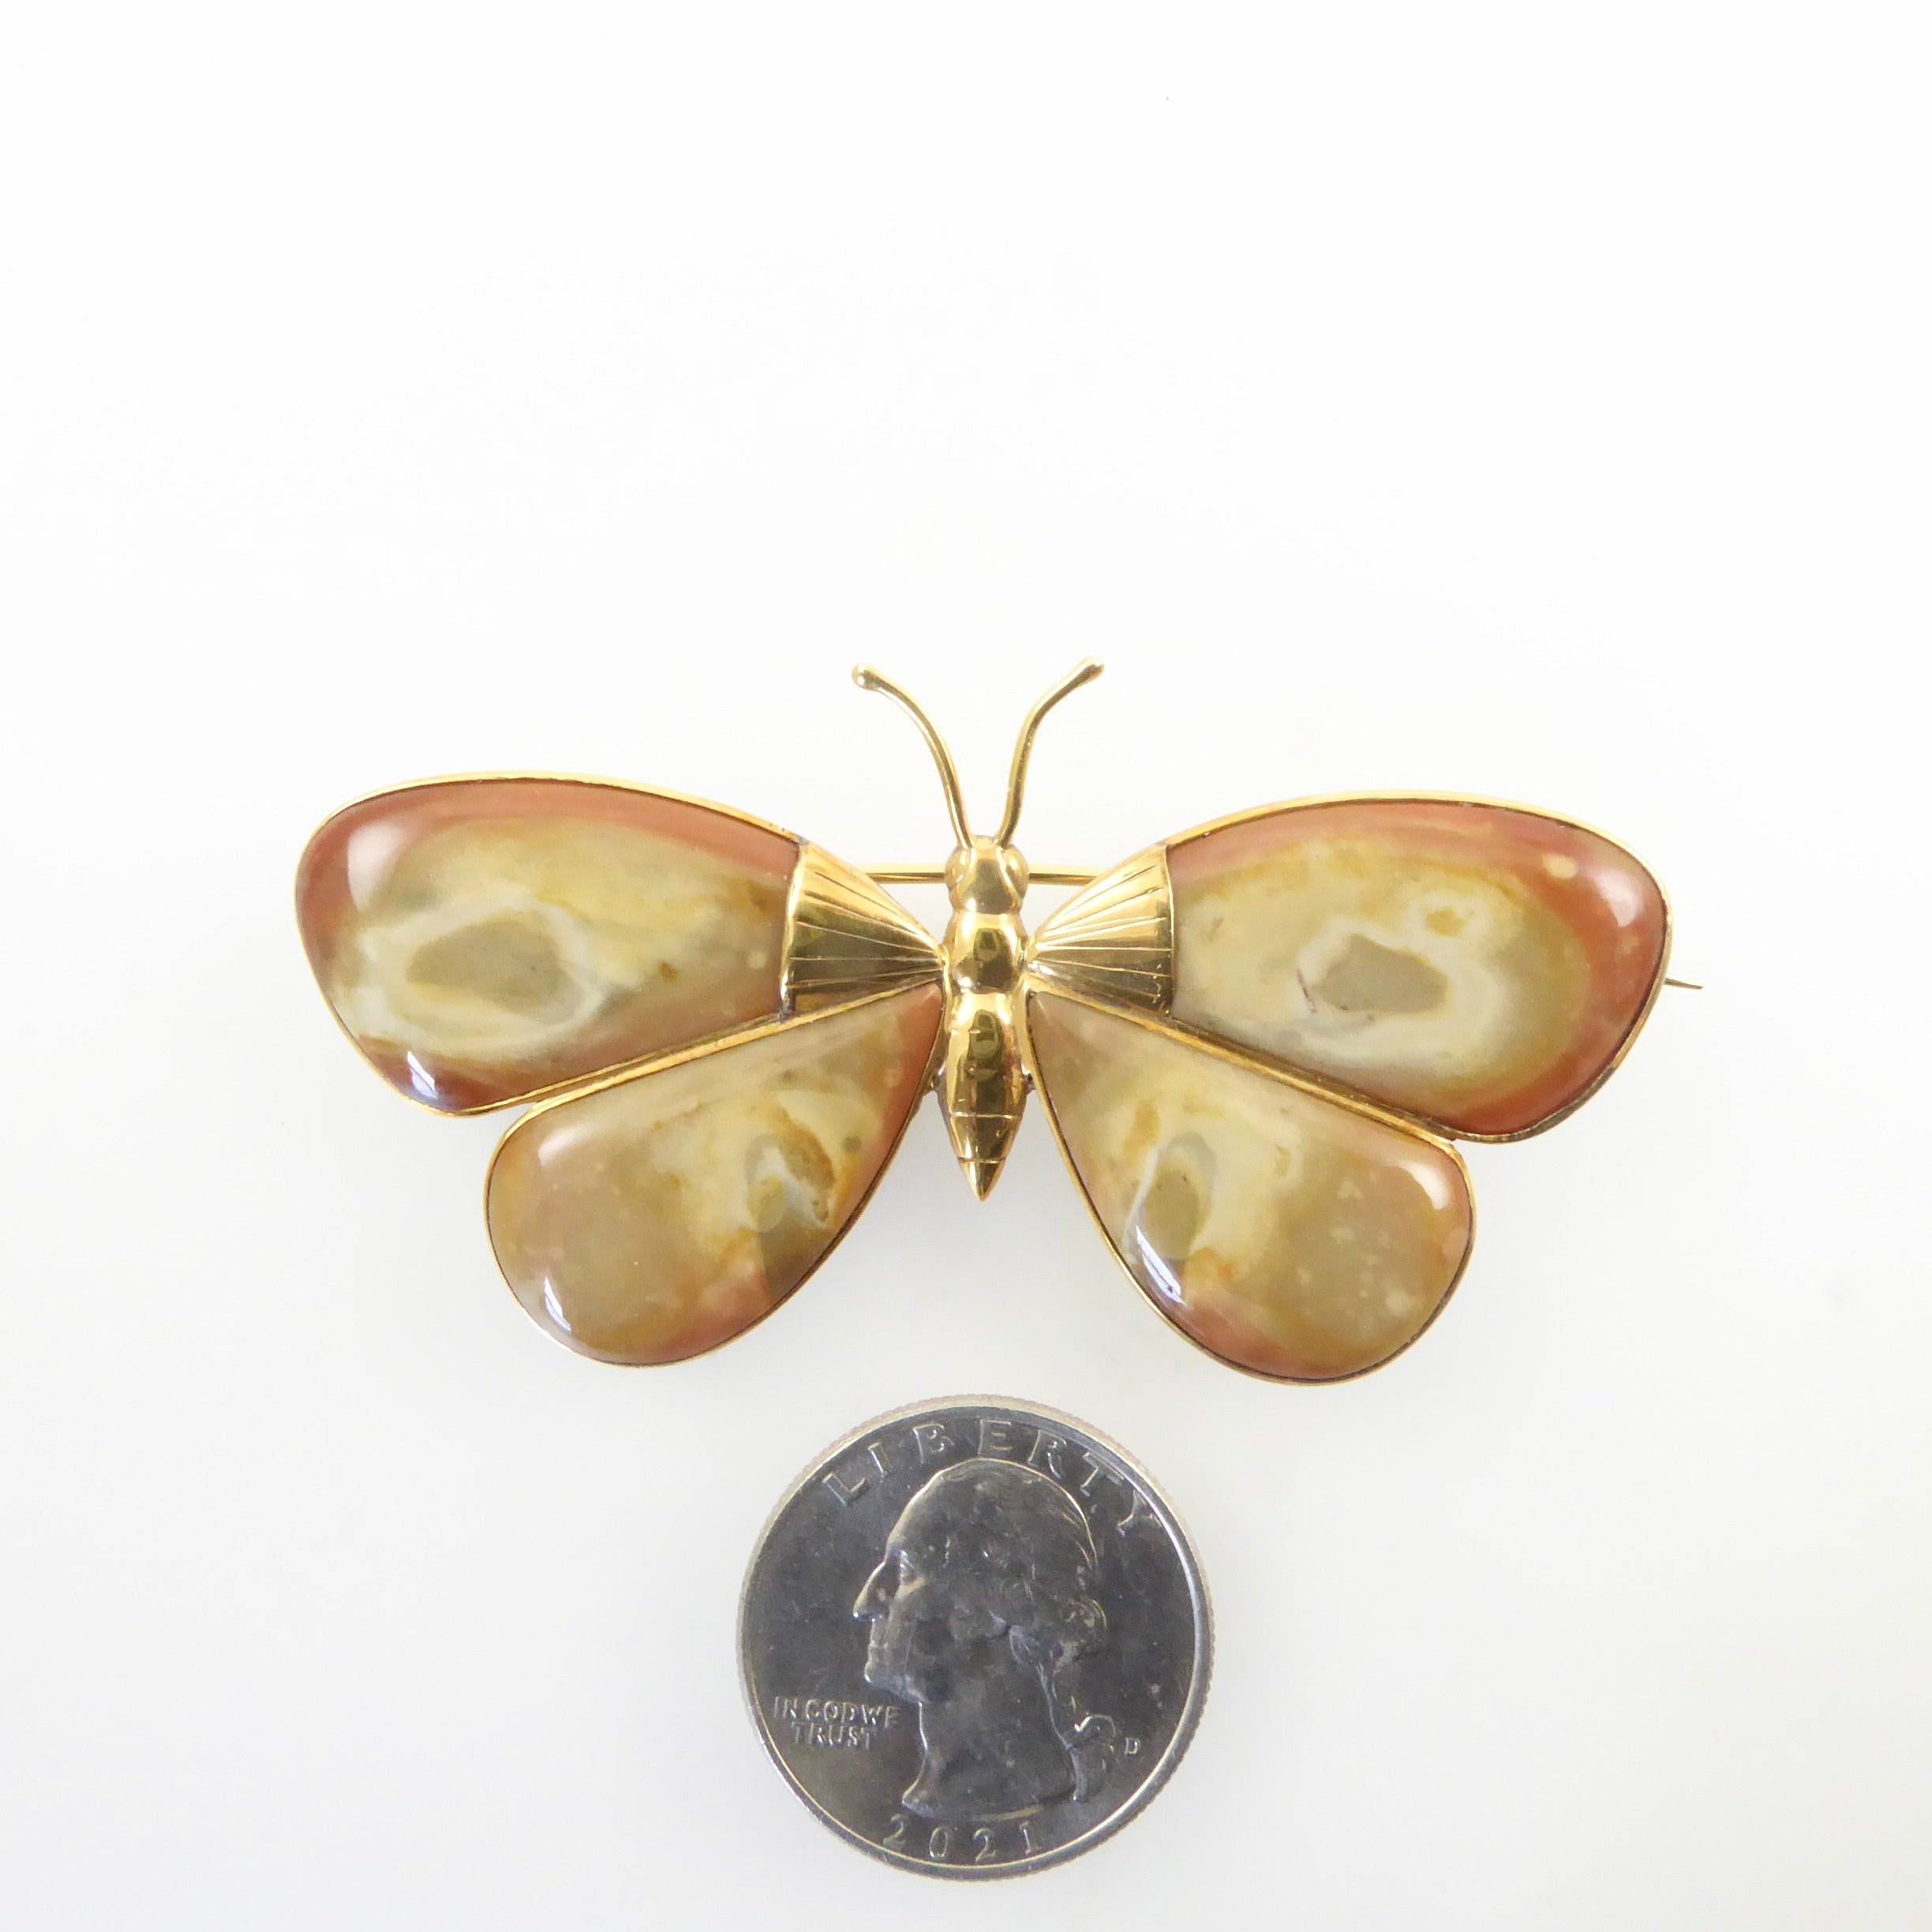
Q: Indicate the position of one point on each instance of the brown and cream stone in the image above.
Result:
(482, 940)
(1478, 965)
(651, 1220)
(1288, 1233)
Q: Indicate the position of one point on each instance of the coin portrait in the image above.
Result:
(975, 1638)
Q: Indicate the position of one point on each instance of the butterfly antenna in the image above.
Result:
(866, 678)
(1083, 673)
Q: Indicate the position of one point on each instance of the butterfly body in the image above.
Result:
(1254, 1043)
(983, 1080)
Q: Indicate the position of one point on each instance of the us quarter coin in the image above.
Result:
(975, 1638)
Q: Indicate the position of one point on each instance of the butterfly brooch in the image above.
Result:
(1255, 1042)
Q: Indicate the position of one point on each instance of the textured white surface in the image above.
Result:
(1513, 400)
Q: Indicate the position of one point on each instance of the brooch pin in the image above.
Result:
(1255, 1042)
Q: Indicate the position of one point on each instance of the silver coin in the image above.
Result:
(975, 1638)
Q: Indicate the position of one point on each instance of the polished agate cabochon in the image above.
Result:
(653, 1218)
(1288, 1233)
(1475, 964)
(482, 940)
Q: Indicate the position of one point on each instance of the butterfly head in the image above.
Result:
(985, 876)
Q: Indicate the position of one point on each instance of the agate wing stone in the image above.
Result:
(483, 940)
(1480, 966)
(659, 1215)
(1287, 1232)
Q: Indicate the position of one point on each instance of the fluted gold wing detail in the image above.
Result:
(846, 937)
(1114, 940)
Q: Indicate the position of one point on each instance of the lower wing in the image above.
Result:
(1287, 1232)
(663, 1211)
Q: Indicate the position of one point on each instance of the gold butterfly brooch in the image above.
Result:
(1255, 1042)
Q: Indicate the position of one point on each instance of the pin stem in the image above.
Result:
(935, 875)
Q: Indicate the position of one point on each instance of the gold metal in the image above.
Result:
(1115, 941)
(845, 937)
(936, 875)
(981, 1077)
(866, 678)
(1083, 673)
(982, 1080)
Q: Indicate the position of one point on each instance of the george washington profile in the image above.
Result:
(981, 1611)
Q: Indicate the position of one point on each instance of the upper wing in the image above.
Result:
(1480, 968)
(664, 1210)
(485, 940)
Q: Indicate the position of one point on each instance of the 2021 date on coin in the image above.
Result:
(975, 1638)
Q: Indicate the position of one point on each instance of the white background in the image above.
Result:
(1532, 402)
